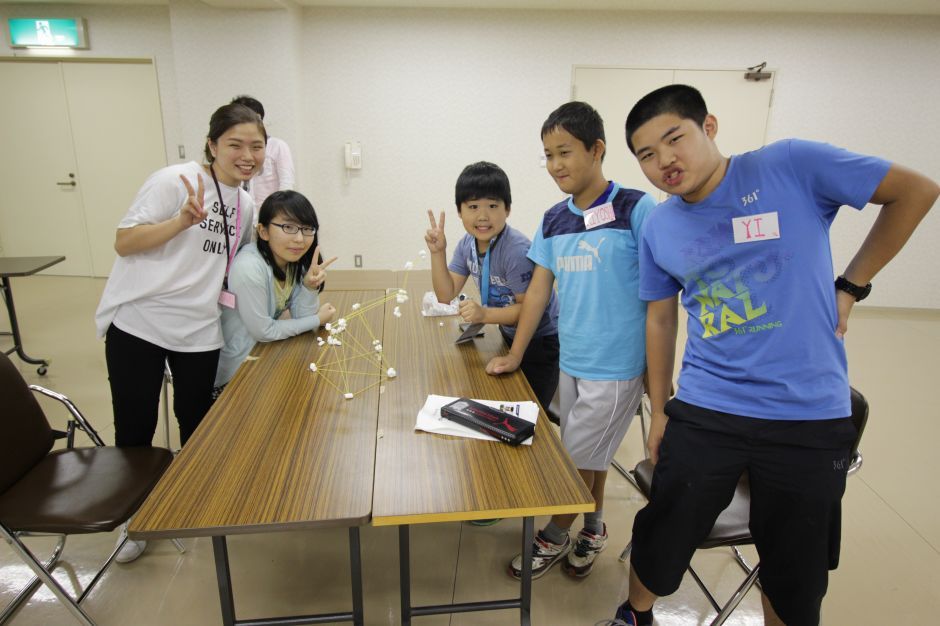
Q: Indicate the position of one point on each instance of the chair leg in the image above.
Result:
(27, 591)
(708, 594)
(743, 564)
(626, 551)
(46, 578)
(165, 393)
(735, 600)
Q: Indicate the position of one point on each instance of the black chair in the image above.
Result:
(62, 492)
(731, 528)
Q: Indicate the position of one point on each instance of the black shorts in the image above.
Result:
(797, 475)
(540, 367)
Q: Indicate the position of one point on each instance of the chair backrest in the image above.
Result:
(859, 417)
(26, 435)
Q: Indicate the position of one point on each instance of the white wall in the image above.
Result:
(137, 32)
(429, 91)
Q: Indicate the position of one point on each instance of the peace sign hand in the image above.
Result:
(193, 212)
(317, 272)
(434, 236)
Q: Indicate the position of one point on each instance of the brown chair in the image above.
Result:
(731, 529)
(62, 492)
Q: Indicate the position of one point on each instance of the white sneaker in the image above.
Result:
(586, 548)
(131, 549)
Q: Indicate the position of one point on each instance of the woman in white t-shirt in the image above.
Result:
(162, 301)
(276, 282)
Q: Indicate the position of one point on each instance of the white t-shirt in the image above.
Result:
(169, 295)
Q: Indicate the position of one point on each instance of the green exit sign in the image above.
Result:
(47, 32)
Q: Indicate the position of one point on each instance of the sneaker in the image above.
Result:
(586, 548)
(625, 615)
(131, 548)
(544, 555)
(485, 522)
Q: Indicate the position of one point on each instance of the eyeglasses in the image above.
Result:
(292, 229)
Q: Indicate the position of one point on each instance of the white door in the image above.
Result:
(117, 131)
(101, 119)
(741, 106)
(40, 207)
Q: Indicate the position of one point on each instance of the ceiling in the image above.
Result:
(895, 7)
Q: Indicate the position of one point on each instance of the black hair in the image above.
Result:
(226, 117)
(482, 180)
(294, 206)
(681, 100)
(251, 103)
(581, 120)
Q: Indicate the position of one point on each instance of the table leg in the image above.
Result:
(404, 573)
(528, 538)
(225, 580)
(15, 329)
(355, 568)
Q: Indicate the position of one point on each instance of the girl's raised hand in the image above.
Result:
(317, 272)
(193, 212)
(434, 236)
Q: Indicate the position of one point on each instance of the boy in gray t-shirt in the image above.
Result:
(495, 255)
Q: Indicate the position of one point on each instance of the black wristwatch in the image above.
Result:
(856, 291)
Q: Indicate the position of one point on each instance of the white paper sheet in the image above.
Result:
(430, 420)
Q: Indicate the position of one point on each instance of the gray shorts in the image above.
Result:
(595, 415)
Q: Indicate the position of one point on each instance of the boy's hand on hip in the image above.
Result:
(844, 304)
(434, 236)
(657, 429)
(503, 364)
(471, 311)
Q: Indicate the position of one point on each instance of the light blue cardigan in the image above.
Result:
(252, 320)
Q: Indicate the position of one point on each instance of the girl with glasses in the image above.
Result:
(276, 282)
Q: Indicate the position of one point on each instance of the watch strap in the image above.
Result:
(859, 292)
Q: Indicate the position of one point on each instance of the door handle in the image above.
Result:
(70, 183)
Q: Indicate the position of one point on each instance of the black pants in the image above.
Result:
(797, 477)
(540, 366)
(135, 372)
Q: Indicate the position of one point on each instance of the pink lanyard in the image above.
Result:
(230, 249)
(238, 227)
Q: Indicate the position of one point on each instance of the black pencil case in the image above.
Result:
(504, 426)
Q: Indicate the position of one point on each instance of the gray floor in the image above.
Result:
(891, 535)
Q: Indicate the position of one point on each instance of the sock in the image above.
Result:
(594, 522)
(555, 533)
(643, 618)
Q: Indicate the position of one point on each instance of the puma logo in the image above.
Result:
(583, 245)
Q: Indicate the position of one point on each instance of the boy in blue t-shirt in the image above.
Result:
(588, 243)
(763, 386)
(494, 253)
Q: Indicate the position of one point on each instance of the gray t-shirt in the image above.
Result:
(510, 273)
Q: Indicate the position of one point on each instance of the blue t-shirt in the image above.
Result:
(761, 312)
(601, 321)
(510, 273)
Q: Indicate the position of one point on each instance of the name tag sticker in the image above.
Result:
(761, 227)
(598, 216)
(227, 299)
